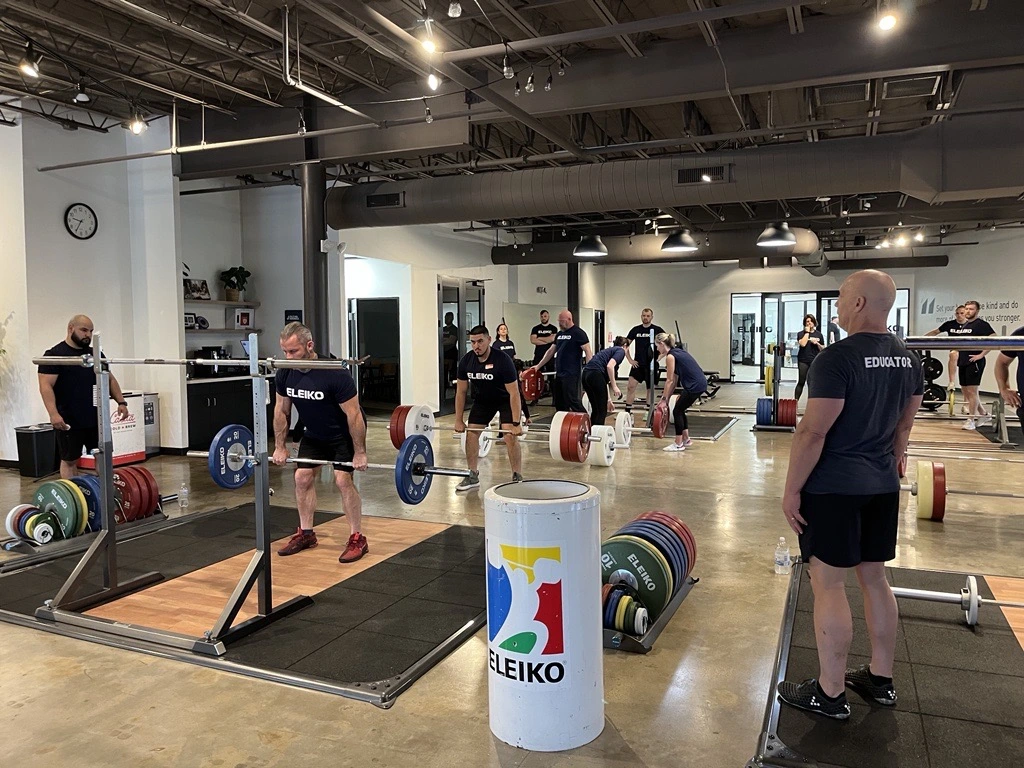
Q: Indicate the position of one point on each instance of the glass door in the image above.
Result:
(745, 345)
(771, 328)
(828, 317)
(449, 299)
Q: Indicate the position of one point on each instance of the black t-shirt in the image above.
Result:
(599, 362)
(809, 351)
(74, 387)
(542, 332)
(508, 347)
(876, 375)
(1017, 355)
(317, 395)
(569, 351)
(975, 327)
(833, 333)
(488, 378)
(641, 338)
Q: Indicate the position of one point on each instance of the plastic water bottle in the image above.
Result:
(783, 562)
(183, 497)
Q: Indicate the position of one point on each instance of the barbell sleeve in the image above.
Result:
(960, 492)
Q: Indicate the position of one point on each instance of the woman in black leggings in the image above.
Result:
(599, 375)
(682, 372)
(811, 343)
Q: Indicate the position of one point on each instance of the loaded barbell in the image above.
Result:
(569, 437)
(931, 491)
(232, 461)
(969, 599)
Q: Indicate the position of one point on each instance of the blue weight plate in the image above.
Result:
(763, 414)
(673, 541)
(610, 606)
(656, 536)
(413, 488)
(91, 491)
(231, 473)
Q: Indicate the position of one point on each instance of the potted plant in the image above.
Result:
(234, 281)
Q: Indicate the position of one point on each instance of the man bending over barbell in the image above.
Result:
(328, 405)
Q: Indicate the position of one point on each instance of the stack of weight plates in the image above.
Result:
(63, 509)
(653, 555)
(787, 413)
(623, 610)
(763, 412)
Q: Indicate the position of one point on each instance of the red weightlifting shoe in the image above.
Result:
(355, 549)
(298, 542)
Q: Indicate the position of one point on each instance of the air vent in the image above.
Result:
(843, 93)
(706, 175)
(910, 87)
(389, 200)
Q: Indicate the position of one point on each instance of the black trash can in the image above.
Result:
(37, 450)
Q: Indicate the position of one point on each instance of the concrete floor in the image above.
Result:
(697, 699)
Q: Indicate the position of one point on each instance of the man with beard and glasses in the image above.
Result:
(495, 391)
(67, 394)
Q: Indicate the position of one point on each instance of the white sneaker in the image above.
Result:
(674, 448)
(969, 424)
(984, 421)
(688, 443)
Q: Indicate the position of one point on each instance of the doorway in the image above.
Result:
(460, 306)
(374, 332)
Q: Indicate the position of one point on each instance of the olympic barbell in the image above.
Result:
(969, 599)
(931, 491)
(232, 461)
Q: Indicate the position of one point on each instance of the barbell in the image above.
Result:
(969, 599)
(931, 491)
(232, 460)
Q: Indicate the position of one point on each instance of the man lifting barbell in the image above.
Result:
(842, 490)
(495, 390)
(328, 404)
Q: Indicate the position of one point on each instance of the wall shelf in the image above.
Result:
(218, 303)
(222, 331)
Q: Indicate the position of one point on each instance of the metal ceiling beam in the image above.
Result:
(66, 25)
(230, 12)
(705, 26)
(520, 21)
(414, 8)
(655, 24)
(66, 122)
(413, 47)
(605, 15)
(15, 91)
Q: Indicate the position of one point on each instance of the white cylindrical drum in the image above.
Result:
(545, 660)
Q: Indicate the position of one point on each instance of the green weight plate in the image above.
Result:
(639, 564)
(58, 498)
(631, 617)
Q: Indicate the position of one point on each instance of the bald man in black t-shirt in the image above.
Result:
(328, 405)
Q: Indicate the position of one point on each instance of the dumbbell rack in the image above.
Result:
(64, 609)
(779, 357)
(620, 641)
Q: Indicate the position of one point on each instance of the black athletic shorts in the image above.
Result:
(642, 374)
(341, 449)
(844, 531)
(483, 410)
(970, 374)
(71, 441)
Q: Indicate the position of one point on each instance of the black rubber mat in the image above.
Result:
(1013, 434)
(961, 689)
(174, 550)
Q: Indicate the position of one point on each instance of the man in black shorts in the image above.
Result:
(542, 336)
(842, 492)
(642, 355)
(571, 344)
(970, 363)
(495, 390)
(67, 396)
(328, 405)
(1010, 395)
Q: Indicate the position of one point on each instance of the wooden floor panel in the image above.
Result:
(1005, 588)
(947, 431)
(191, 604)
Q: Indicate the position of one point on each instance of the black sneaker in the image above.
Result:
(516, 477)
(809, 696)
(861, 680)
(470, 482)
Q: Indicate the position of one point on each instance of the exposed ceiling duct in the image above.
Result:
(969, 158)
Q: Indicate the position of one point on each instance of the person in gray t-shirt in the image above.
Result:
(842, 490)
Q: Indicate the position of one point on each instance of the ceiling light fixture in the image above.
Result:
(137, 124)
(885, 243)
(429, 45)
(679, 242)
(887, 21)
(705, 177)
(776, 236)
(901, 241)
(561, 68)
(81, 97)
(529, 84)
(919, 237)
(454, 10)
(547, 83)
(590, 245)
(517, 89)
(433, 81)
(427, 116)
(506, 67)
(29, 64)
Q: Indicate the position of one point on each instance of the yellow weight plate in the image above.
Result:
(620, 612)
(83, 509)
(951, 397)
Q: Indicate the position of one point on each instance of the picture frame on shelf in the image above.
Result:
(190, 320)
(196, 290)
(243, 319)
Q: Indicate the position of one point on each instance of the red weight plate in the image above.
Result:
(659, 422)
(605, 589)
(565, 436)
(679, 531)
(531, 384)
(583, 445)
(131, 495)
(154, 489)
(397, 425)
(145, 500)
(693, 540)
(938, 491)
(20, 517)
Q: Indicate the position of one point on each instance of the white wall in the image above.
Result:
(592, 286)
(18, 396)
(552, 278)
(67, 276)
